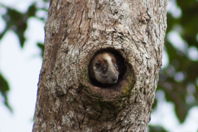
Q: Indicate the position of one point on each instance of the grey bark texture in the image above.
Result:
(67, 101)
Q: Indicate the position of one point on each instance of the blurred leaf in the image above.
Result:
(32, 10)
(189, 21)
(41, 47)
(171, 22)
(178, 92)
(17, 22)
(156, 129)
(4, 89)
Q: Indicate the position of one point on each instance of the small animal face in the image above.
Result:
(105, 68)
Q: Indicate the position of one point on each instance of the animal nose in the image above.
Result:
(114, 79)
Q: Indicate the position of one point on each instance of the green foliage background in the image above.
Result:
(178, 80)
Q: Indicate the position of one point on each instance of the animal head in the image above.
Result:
(105, 68)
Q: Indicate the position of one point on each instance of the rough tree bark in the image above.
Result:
(74, 32)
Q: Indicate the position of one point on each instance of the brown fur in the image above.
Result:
(104, 68)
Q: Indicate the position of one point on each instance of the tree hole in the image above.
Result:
(107, 68)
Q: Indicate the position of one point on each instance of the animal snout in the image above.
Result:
(114, 79)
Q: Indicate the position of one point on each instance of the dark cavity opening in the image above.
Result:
(121, 63)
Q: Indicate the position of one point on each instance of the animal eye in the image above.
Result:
(97, 64)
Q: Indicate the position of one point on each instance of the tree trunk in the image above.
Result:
(75, 32)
